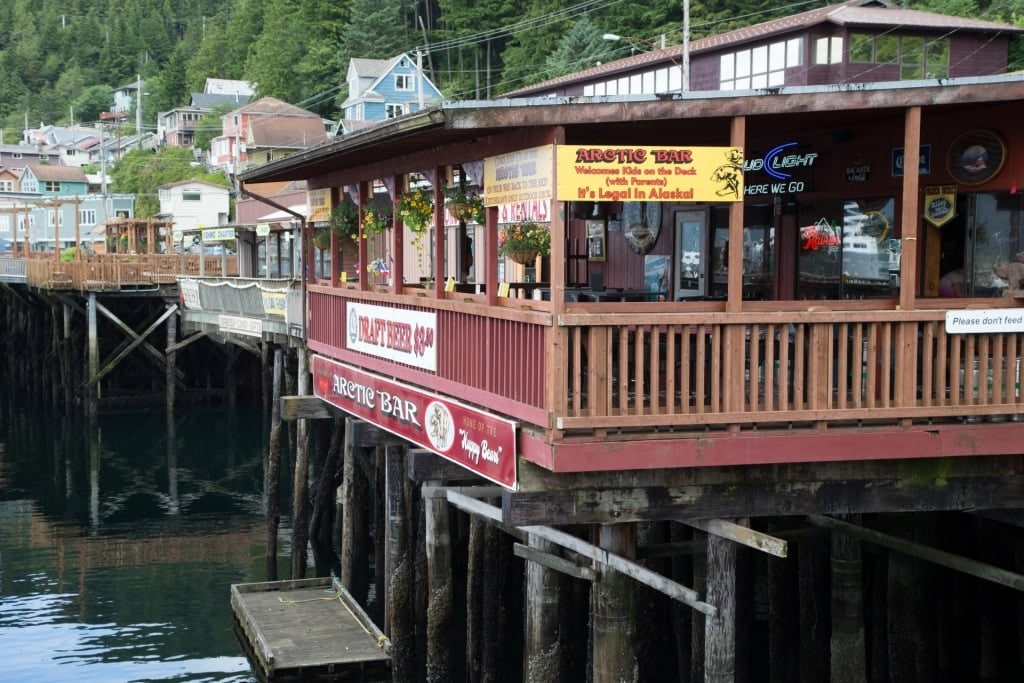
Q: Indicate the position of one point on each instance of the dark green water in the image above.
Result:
(119, 543)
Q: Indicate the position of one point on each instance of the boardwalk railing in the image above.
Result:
(12, 269)
(650, 370)
(111, 272)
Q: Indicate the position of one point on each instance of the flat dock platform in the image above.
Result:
(309, 629)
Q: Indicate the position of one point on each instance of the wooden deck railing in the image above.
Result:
(651, 371)
(107, 272)
(659, 371)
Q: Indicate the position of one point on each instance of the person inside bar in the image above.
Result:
(952, 283)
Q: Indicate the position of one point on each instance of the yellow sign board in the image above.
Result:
(939, 204)
(274, 303)
(520, 176)
(319, 203)
(641, 173)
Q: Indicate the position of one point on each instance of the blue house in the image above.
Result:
(54, 181)
(381, 89)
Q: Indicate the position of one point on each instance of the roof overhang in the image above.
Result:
(467, 122)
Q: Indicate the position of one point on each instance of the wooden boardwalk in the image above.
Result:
(309, 629)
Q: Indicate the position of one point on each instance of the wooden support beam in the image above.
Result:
(137, 340)
(941, 557)
(187, 341)
(740, 534)
(559, 564)
(640, 573)
(425, 465)
(305, 408)
(768, 499)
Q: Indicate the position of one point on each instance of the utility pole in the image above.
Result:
(686, 47)
(138, 109)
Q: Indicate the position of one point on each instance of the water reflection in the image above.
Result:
(119, 541)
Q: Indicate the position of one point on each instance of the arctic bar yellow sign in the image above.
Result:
(649, 174)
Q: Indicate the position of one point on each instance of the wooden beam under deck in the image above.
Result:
(984, 483)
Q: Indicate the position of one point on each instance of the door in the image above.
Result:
(691, 253)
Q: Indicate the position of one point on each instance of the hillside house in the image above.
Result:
(382, 89)
(194, 204)
(858, 41)
(263, 131)
(54, 181)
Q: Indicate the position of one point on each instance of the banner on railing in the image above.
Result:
(275, 303)
(398, 334)
(480, 442)
(189, 292)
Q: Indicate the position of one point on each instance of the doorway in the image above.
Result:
(691, 228)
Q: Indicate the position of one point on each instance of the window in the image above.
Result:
(51, 217)
(393, 110)
(87, 217)
(6, 186)
(44, 157)
(16, 155)
(69, 152)
(761, 67)
(191, 196)
(51, 186)
(828, 50)
(916, 56)
(403, 82)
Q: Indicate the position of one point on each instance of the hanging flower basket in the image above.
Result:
(465, 204)
(416, 208)
(522, 242)
(527, 257)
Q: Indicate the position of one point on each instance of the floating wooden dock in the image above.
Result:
(308, 629)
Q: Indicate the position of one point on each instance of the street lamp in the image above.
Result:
(684, 68)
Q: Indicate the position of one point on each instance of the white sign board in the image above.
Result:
(190, 294)
(250, 327)
(985, 321)
(397, 334)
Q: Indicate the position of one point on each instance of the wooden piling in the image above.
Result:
(613, 617)
(813, 552)
(474, 600)
(783, 622)
(93, 391)
(720, 633)
(542, 651)
(440, 607)
(171, 356)
(901, 622)
(355, 518)
(848, 653)
(399, 568)
(272, 502)
(300, 480)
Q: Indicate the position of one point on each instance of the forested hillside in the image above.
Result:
(62, 58)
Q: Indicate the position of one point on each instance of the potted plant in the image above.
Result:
(416, 208)
(374, 221)
(344, 220)
(465, 204)
(522, 242)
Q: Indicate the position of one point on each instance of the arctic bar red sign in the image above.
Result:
(468, 437)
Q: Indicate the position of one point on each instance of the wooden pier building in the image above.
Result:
(734, 347)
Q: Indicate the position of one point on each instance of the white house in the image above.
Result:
(192, 204)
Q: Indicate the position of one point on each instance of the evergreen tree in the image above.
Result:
(275, 53)
(376, 30)
(581, 47)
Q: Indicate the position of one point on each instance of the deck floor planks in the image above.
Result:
(305, 626)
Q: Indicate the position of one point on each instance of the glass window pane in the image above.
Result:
(743, 63)
(861, 48)
(776, 56)
(887, 49)
(867, 258)
(743, 84)
(647, 85)
(759, 81)
(911, 72)
(821, 51)
(912, 50)
(836, 51)
(997, 240)
(759, 60)
(776, 78)
(794, 52)
(635, 84)
(726, 67)
(818, 260)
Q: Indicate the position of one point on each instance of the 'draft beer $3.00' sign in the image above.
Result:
(476, 440)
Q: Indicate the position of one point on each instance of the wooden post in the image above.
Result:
(682, 615)
(69, 381)
(542, 651)
(273, 473)
(613, 617)
(720, 633)
(848, 658)
(300, 481)
(399, 569)
(440, 613)
(783, 625)
(813, 597)
(94, 357)
(474, 599)
(172, 361)
(354, 519)
(698, 624)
